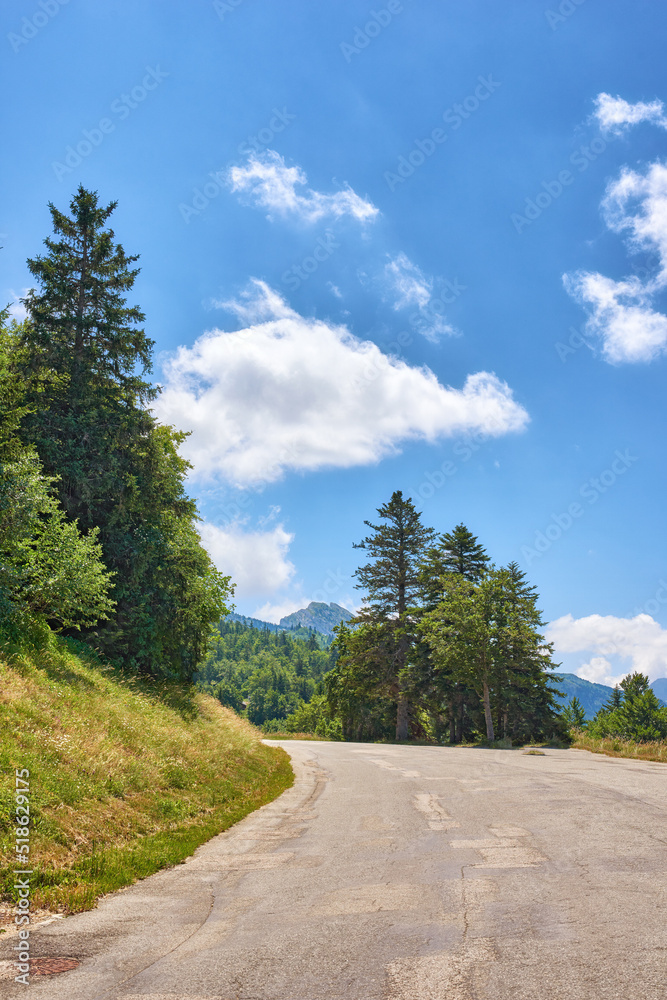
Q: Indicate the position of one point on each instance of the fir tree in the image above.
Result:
(391, 581)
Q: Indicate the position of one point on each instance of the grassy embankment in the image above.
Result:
(126, 775)
(614, 747)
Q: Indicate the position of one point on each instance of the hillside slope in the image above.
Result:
(126, 775)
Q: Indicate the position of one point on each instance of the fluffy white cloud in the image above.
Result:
(640, 639)
(621, 313)
(411, 288)
(301, 394)
(256, 560)
(267, 182)
(614, 114)
(636, 204)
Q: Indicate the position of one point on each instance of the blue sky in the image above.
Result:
(414, 245)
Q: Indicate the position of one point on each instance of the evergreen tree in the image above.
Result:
(116, 468)
(392, 584)
(49, 571)
(574, 714)
(456, 552)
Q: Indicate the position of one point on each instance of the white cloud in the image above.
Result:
(637, 204)
(411, 288)
(267, 182)
(409, 282)
(256, 560)
(302, 394)
(615, 115)
(620, 315)
(621, 312)
(640, 639)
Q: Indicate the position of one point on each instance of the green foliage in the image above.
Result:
(457, 553)
(444, 642)
(47, 568)
(574, 714)
(268, 675)
(633, 713)
(313, 717)
(117, 471)
(486, 636)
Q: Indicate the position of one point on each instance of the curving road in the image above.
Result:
(398, 873)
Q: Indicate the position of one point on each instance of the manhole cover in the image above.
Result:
(51, 966)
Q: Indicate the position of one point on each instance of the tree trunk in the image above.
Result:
(452, 721)
(487, 713)
(402, 715)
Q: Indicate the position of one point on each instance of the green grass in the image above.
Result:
(127, 775)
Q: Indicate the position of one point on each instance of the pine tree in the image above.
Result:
(458, 552)
(392, 584)
(117, 469)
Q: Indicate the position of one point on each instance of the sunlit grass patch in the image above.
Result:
(615, 747)
(127, 775)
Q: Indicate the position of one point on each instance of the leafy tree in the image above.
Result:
(392, 584)
(117, 469)
(456, 554)
(574, 714)
(48, 568)
(487, 636)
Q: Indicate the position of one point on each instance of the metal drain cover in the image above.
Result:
(52, 966)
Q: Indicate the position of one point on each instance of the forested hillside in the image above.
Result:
(265, 675)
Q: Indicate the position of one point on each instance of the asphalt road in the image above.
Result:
(399, 873)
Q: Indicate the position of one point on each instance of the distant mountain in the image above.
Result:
(660, 688)
(322, 617)
(592, 696)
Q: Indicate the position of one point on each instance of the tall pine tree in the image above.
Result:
(392, 585)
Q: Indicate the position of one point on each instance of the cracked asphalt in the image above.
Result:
(397, 873)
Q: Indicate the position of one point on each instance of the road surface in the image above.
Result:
(398, 873)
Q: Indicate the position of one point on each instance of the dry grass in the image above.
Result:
(126, 775)
(614, 747)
